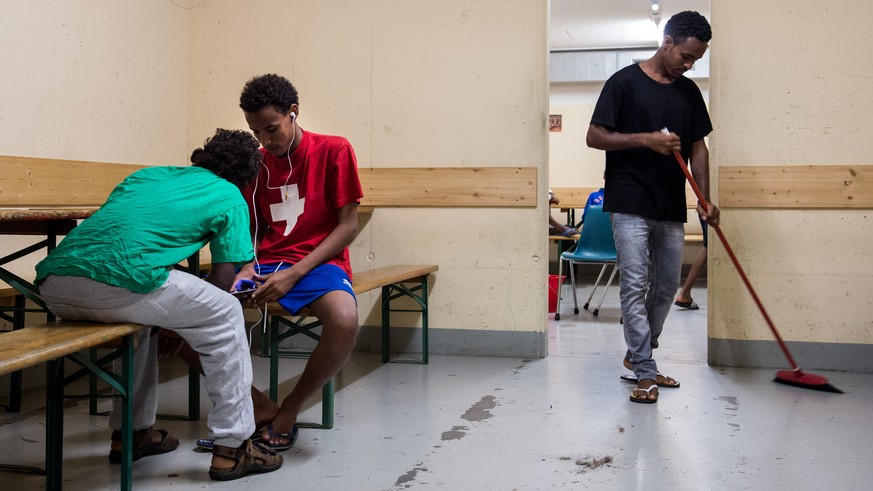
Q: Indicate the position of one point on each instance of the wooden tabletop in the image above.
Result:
(45, 214)
(48, 213)
(564, 237)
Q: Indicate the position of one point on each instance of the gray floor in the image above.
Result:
(564, 422)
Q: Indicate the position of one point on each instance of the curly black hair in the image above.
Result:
(271, 89)
(230, 154)
(688, 24)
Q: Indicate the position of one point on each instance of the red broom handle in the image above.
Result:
(736, 262)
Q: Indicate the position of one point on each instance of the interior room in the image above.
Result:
(463, 115)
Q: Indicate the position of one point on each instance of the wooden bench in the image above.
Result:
(34, 182)
(395, 281)
(54, 342)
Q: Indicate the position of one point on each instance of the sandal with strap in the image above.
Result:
(645, 399)
(280, 447)
(248, 458)
(662, 380)
(143, 446)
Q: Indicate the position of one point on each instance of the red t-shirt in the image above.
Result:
(323, 178)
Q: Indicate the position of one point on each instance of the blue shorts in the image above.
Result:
(323, 279)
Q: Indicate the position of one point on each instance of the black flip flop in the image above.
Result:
(687, 305)
(281, 447)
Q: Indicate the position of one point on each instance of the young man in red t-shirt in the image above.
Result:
(304, 216)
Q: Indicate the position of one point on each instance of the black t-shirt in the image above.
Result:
(641, 181)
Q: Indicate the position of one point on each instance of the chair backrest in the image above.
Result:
(595, 242)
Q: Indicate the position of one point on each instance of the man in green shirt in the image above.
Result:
(117, 266)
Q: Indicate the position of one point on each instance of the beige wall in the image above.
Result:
(410, 84)
(571, 162)
(101, 81)
(791, 86)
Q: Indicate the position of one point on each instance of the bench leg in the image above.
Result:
(54, 426)
(193, 395)
(127, 415)
(92, 384)
(15, 382)
(15, 388)
(386, 324)
(56, 381)
(417, 293)
(424, 316)
(327, 391)
(193, 399)
(327, 405)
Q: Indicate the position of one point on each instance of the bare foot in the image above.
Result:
(282, 425)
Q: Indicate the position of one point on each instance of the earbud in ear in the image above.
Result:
(293, 115)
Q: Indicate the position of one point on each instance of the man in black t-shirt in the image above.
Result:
(645, 188)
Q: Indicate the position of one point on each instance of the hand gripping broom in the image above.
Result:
(795, 376)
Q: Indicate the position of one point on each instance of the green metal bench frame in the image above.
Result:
(301, 325)
(193, 375)
(56, 383)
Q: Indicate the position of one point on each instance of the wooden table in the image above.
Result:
(48, 222)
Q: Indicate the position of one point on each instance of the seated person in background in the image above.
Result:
(117, 266)
(595, 198)
(556, 227)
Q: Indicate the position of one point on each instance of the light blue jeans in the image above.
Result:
(649, 264)
(209, 319)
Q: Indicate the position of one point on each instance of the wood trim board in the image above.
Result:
(44, 182)
(796, 186)
(452, 187)
(29, 181)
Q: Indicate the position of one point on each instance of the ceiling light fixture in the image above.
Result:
(655, 13)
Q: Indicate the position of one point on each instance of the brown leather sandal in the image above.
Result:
(249, 458)
(143, 445)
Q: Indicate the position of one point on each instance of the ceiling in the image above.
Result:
(602, 24)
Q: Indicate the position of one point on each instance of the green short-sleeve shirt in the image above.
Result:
(154, 219)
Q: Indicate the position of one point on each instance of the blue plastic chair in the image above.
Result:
(595, 246)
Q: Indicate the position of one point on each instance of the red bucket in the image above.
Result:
(555, 283)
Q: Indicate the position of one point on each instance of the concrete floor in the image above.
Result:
(563, 422)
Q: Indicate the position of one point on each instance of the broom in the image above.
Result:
(795, 376)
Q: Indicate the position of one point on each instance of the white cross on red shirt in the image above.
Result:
(289, 209)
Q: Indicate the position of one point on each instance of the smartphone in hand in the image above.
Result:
(243, 287)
